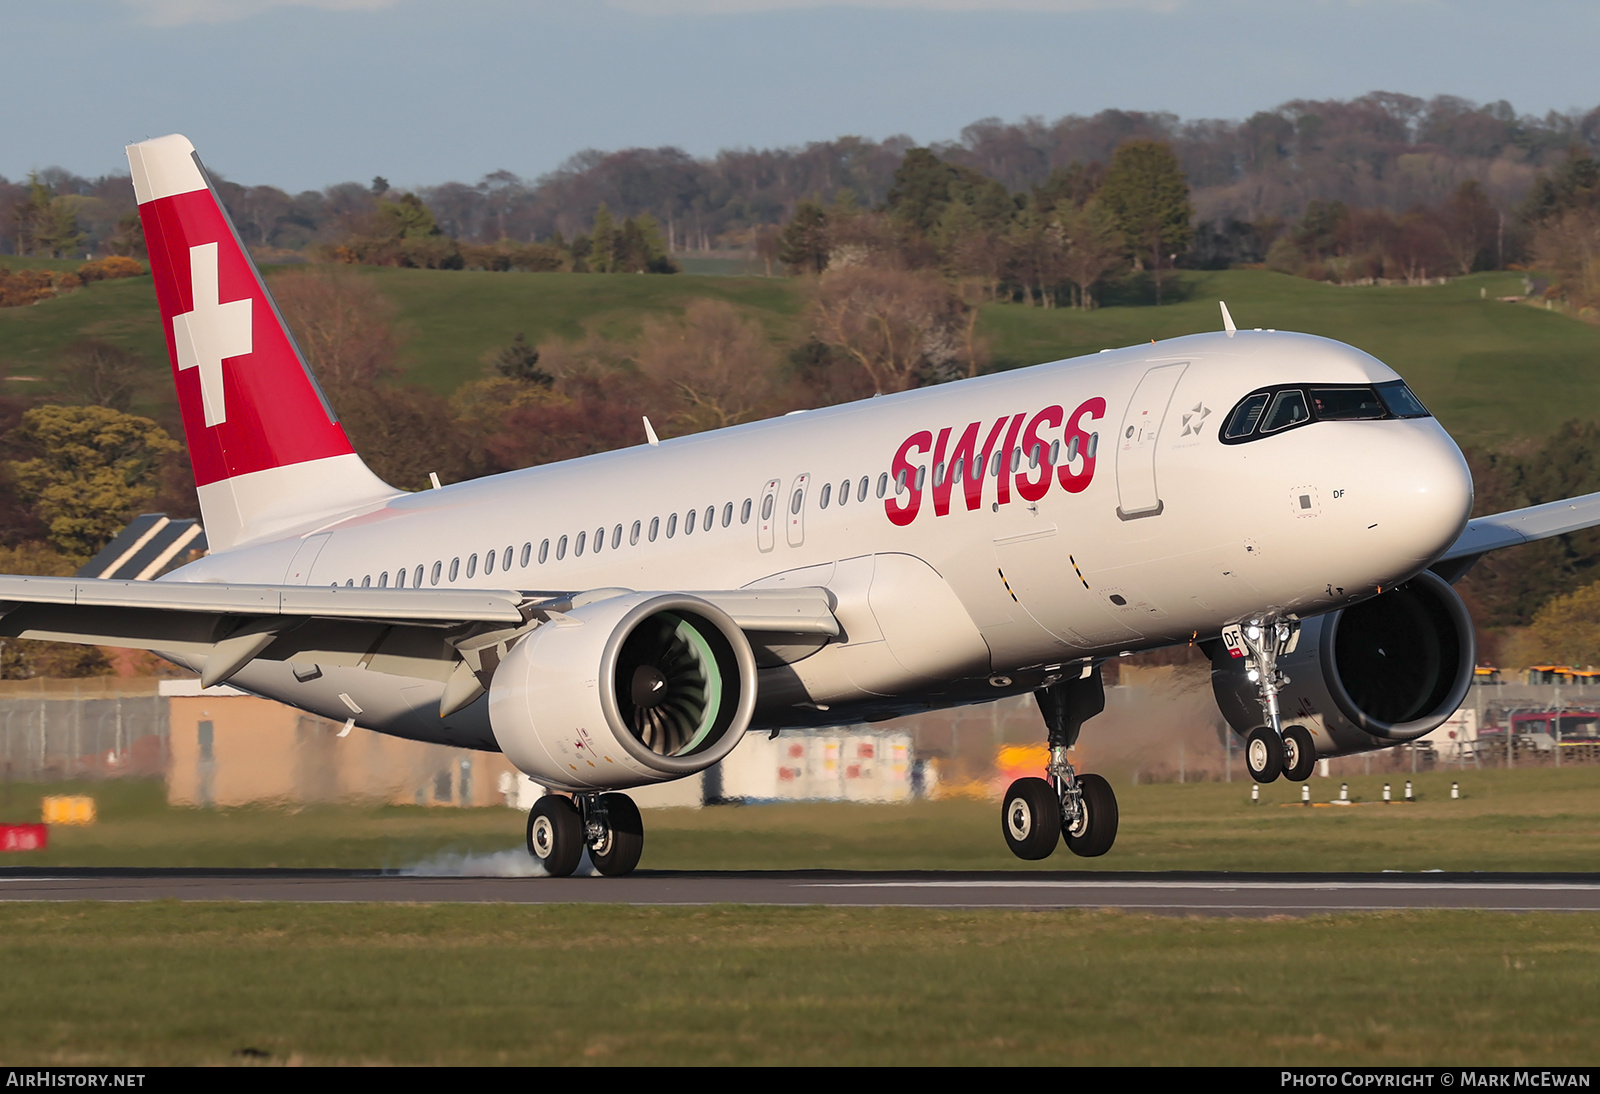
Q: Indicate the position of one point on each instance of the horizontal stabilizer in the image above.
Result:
(146, 549)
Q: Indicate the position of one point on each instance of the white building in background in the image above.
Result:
(1459, 731)
(853, 764)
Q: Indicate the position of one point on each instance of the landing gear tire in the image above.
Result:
(1095, 829)
(555, 835)
(1299, 754)
(1030, 818)
(617, 852)
(1263, 754)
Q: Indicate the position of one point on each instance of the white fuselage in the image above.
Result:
(1173, 535)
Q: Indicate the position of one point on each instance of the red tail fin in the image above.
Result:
(268, 451)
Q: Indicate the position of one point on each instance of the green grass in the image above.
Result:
(1492, 372)
(122, 312)
(1541, 820)
(454, 319)
(194, 983)
(135, 827)
(165, 983)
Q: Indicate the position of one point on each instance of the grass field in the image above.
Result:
(1492, 371)
(212, 984)
(169, 983)
(1543, 819)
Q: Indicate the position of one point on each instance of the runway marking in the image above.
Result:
(1247, 896)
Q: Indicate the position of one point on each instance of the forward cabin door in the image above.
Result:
(1137, 494)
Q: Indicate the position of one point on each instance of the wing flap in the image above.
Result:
(778, 611)
(446, 606)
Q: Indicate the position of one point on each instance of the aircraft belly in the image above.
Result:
(1037, 569)
(395, 705)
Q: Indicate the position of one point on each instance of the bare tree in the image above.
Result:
(1469, 222)
(1569, 245)
(96, 373)
(720, 364)
(343, 324)
(902, 328)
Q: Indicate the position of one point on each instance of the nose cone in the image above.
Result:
(1417, 489)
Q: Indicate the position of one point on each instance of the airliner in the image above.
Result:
(1282, 500)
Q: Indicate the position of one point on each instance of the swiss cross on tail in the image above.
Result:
(210, 333)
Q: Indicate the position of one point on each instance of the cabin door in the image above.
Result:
(1137, 493)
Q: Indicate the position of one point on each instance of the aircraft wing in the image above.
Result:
(428, 633)
(1514, 527)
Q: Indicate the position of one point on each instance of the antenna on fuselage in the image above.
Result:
(650, 433)
(1227, 320)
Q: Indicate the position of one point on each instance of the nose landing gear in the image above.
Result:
(1079, 809)
(559, 829)
(1271, 750)
(1299, 754)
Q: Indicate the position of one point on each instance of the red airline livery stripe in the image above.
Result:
(273, 414)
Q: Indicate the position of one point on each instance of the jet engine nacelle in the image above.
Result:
(634, 689)
(1387, 670)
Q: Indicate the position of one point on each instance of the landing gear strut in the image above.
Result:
(1079, 809)
(609, 825)
(1271, 750)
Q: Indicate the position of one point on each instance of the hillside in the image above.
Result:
(1493, 372)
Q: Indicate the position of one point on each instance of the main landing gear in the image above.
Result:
(1272, 749)
(559, 828)
(1078, 809)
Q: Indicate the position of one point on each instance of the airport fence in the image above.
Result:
(71, 729)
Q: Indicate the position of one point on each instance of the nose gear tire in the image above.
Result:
(555, 835)
(1030, 818)
(618, 853)
(1096, 827)
(1299, 754)
(1263, 754)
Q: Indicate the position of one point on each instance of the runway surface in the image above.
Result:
(1163, 893)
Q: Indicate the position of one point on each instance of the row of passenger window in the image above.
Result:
(707, 519)
(492, 558)
(996, 462)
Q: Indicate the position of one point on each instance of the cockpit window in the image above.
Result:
(1400, 401)
(1347, 404)
(1288, 408)
(1242, 422)
(1285, 406)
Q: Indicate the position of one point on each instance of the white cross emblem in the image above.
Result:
(212, 332)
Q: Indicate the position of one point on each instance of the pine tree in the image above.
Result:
(520, 361)
(1148, 197)
(603, 242)
(46, 224)
(803, 246)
